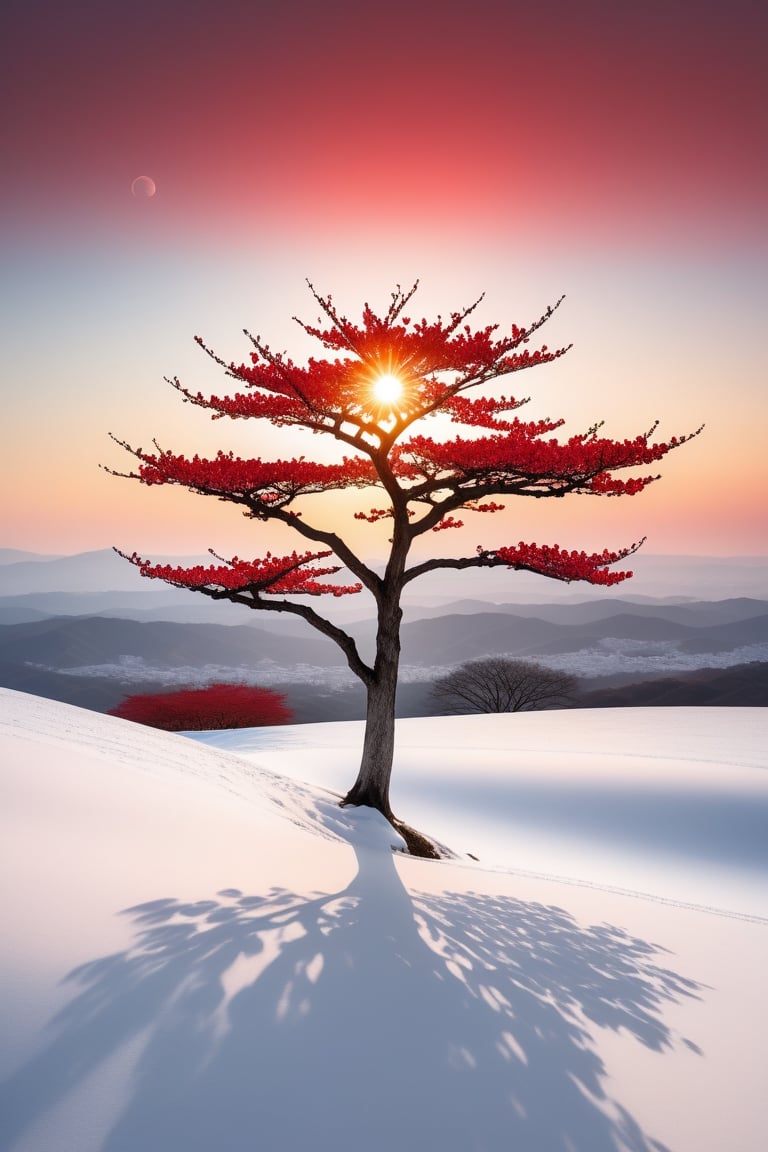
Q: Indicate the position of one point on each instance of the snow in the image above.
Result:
(204, 952)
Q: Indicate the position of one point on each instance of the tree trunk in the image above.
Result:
(372, 785)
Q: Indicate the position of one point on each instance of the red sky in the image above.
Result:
(644, 118)
(612, 151)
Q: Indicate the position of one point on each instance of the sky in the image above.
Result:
(614, 153)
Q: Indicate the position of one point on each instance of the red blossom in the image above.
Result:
(551, 560)
(374, 515)
(436, 360)
(488, 506)
(273, 576)
(520, 454)
(265, 480)
(606, 485)
(483, 412)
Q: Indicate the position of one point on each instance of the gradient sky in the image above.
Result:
(613, 152)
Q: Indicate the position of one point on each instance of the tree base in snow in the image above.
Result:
(417, 844)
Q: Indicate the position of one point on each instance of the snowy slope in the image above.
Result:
(672, 802)
(204, 953)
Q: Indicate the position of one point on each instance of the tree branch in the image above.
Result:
(370, 579)
(479, 561)
(341, 638)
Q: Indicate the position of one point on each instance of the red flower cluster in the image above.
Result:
(483, 412)
(605, 485)
(266, 480)
(488, 506)
(551, 560)
(584, 462)
(374, 515)
(425, 355)
(273, 576)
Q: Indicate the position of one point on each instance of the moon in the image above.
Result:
(143, 188)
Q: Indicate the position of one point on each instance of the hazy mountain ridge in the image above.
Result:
(174, 606)
(448, 639)
(697, 577)
(95, 661)
(97, 571)
(184, 608)
(88, 630)
(68, 642)
(19, 555)
(680, 610)
(744, 685)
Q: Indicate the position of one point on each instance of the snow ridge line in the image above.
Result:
(727, 914)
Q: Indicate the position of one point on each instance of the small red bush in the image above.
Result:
(198, 709)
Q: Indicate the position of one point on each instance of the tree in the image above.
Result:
(497, 684)
(203, 709)
(384, 375)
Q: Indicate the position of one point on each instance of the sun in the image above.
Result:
(387, 389)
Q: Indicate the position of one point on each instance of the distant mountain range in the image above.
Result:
(103, 570)
(102, 573)
(74, 641)
(743, 686)
(452, 639)
(18, 555)
(77, 641)
(96, 660)
(88, 629)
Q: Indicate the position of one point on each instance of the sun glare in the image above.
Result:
(387, 389)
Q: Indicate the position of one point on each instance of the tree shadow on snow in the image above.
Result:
(359, 1019)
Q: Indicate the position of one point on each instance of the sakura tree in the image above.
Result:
(378, 380)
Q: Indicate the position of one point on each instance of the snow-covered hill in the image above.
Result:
(203, 952)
